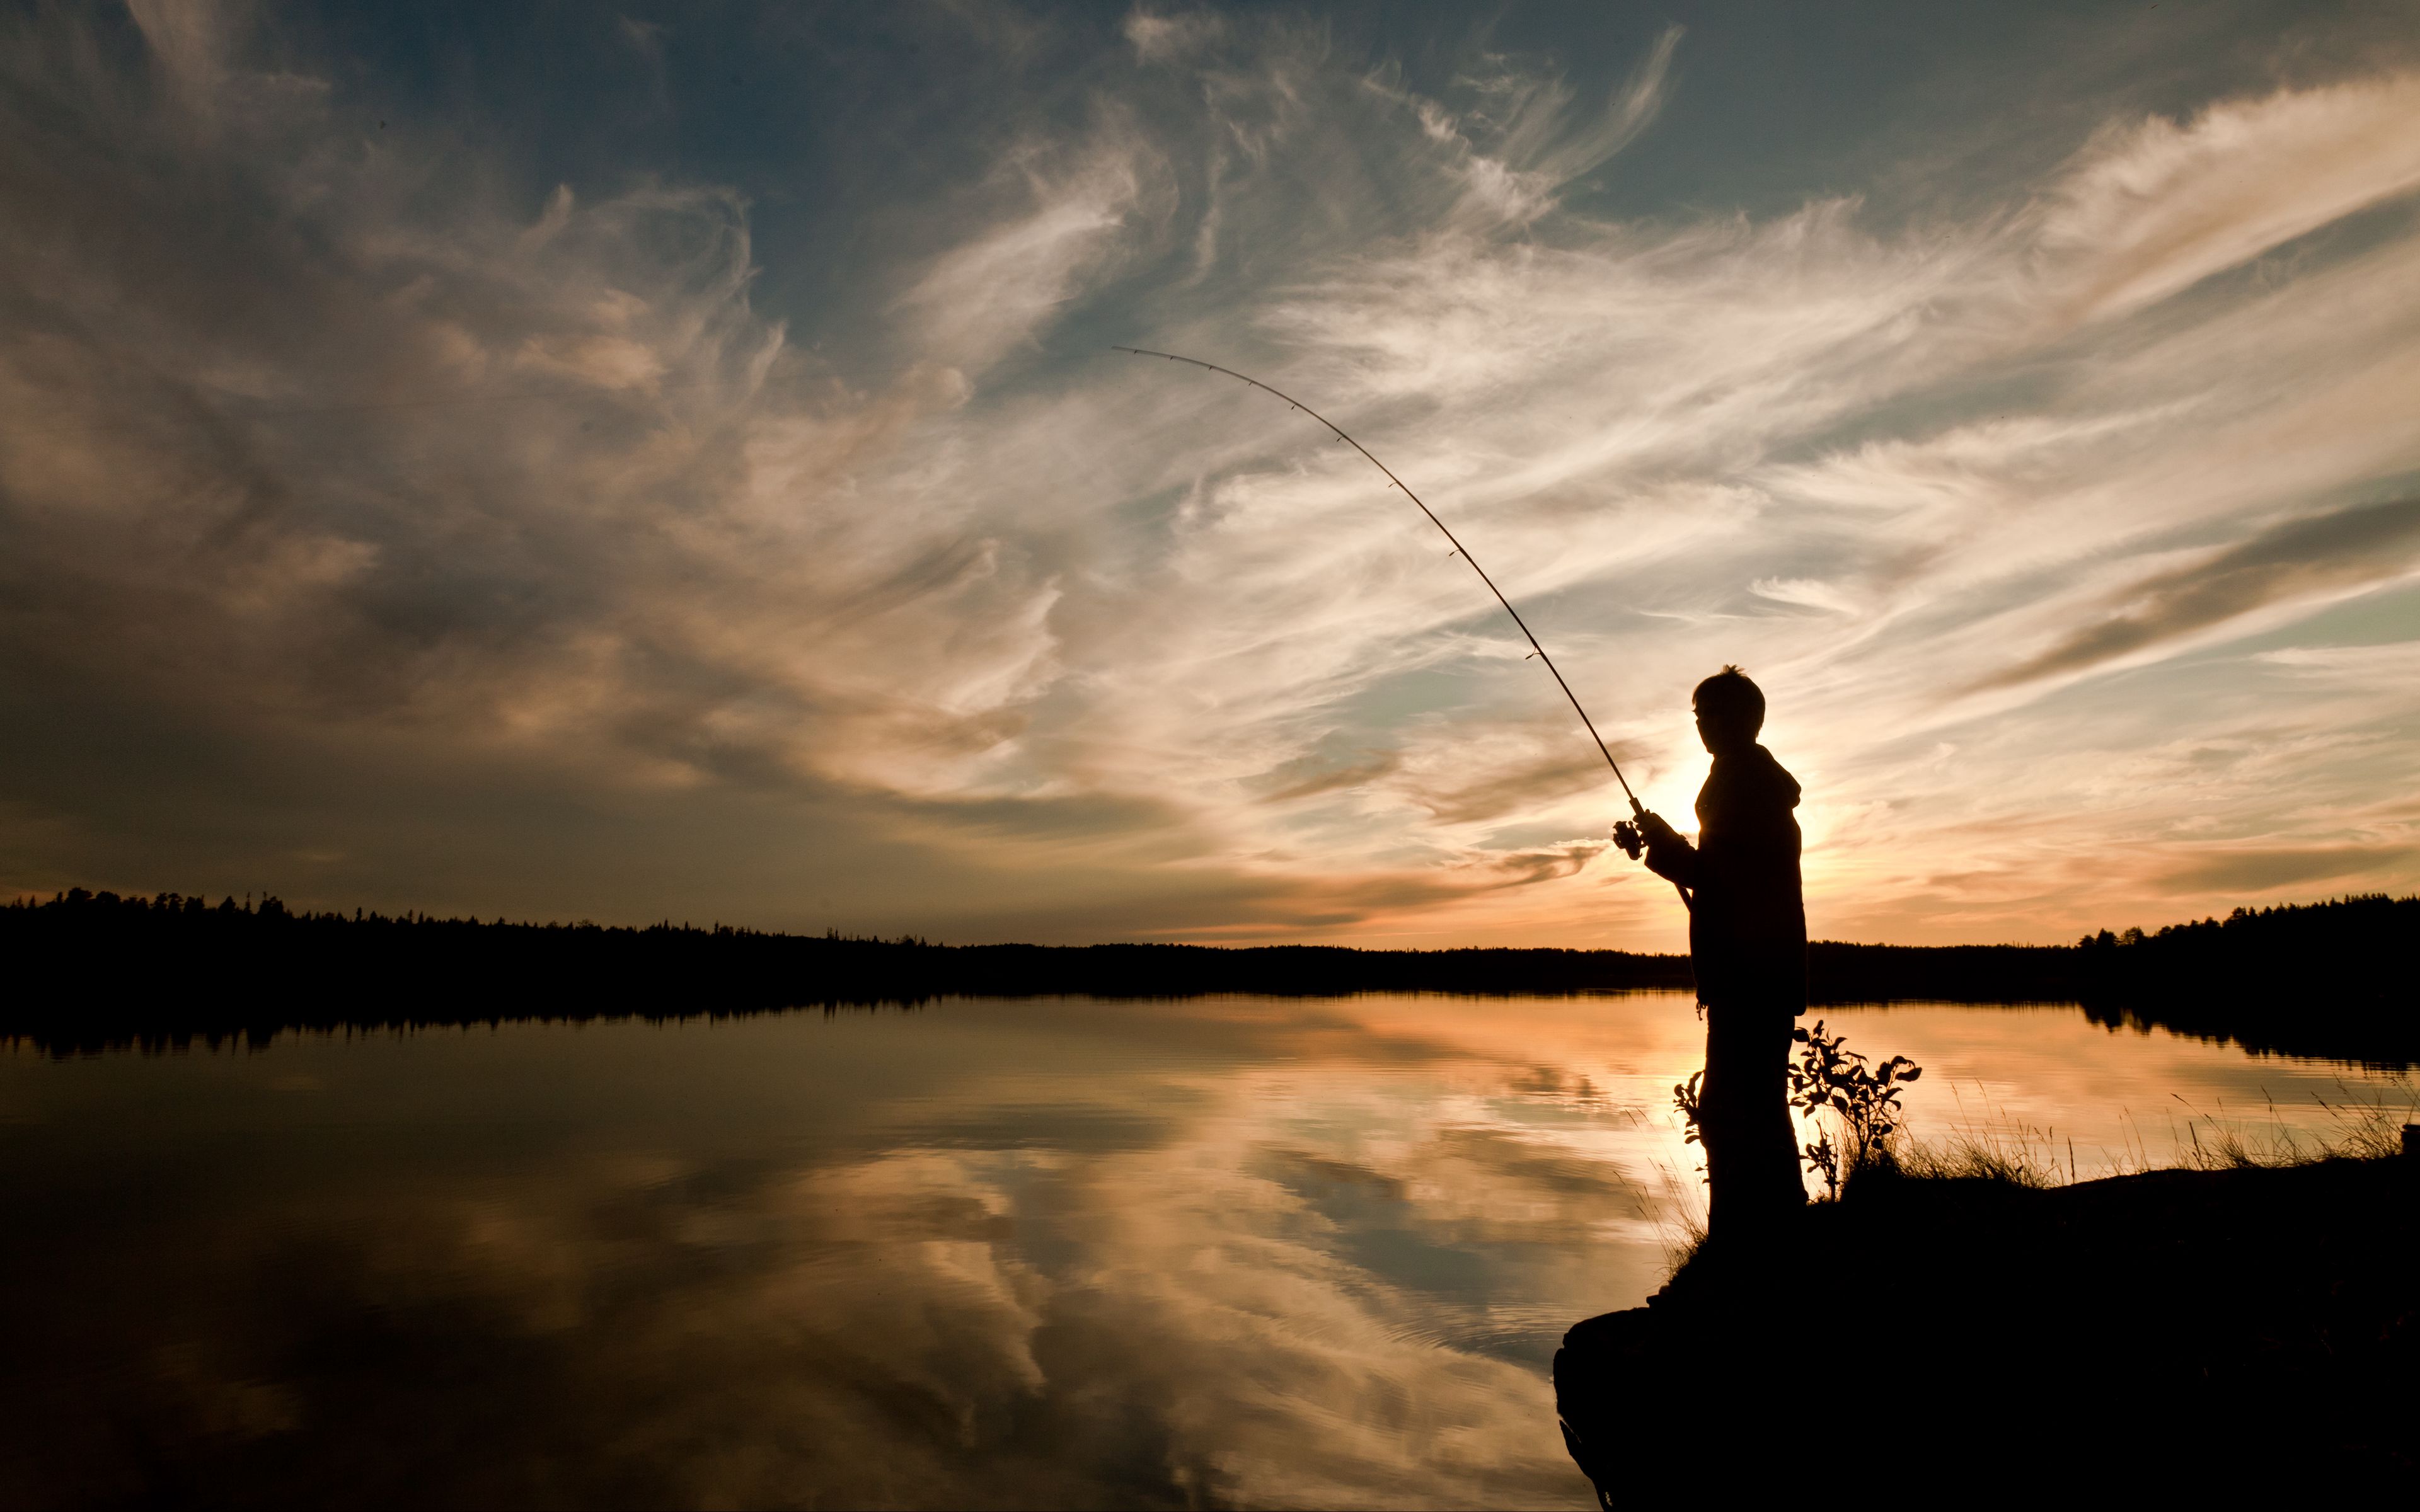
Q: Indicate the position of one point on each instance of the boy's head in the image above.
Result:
(1731, 710)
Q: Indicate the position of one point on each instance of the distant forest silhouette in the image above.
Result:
(90, 971)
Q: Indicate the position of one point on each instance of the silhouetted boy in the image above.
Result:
(1747, 944)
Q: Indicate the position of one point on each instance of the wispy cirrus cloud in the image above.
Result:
(2344, 551)
(2263, 868)
(1523, 135)
(1000, 287)
(330, 441)
(2155, 206)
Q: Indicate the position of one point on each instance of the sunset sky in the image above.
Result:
(562, 461)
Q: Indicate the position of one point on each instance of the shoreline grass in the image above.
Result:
(2366, 1123)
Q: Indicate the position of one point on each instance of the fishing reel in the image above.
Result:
(1626, 835)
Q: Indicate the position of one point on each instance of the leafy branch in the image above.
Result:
(1863, 1099)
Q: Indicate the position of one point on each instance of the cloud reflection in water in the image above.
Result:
(1213, 1251)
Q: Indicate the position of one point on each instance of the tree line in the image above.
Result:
(91, 970)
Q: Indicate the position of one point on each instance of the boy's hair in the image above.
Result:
(1728, 696)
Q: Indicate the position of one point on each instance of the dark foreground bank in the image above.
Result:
(2176, 1333)
(89, 971)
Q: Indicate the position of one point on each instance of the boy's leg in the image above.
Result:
(1744, 1117)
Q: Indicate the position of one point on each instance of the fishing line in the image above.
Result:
(1636, 809)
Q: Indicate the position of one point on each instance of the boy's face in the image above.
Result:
(1721, 734)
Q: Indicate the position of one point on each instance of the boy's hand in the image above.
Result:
(1651, 829)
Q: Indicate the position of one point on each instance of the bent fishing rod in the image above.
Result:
(1637, 811)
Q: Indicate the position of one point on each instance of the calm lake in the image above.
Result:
(1036, 1253)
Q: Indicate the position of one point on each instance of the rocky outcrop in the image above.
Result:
(2204, 1333)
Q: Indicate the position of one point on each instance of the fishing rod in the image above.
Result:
(1638, 810)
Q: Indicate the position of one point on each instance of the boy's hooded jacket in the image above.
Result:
(1748, 921)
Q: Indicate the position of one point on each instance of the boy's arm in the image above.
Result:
(1670, 855)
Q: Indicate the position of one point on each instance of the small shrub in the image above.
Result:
(1863, 1099)
(1690, 1100)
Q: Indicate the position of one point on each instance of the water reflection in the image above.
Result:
(1031, 1253)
